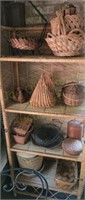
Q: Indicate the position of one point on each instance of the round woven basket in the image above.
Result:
(66, 45)
(73, 94)
(72, 146)
(29, 161)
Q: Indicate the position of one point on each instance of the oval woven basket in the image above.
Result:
(72, 146)
(29, 161)
(73, 94)
(66, 45)
(24, 44)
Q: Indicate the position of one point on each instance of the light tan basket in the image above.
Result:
(74, 21)
(29, 161)
(44, 95)
(66, 45)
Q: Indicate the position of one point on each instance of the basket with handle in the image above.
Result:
(66, 45)
(61, 42)
(68, 18)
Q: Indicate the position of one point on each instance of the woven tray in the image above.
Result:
(72, 146)
(24, 44)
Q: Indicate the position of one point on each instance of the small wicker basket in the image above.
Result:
(73, 94)
(66, 175)
(29, 161)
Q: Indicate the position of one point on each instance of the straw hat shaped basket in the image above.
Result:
(44, 95)
(61, 41)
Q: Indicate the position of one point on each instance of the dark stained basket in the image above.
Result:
(73, 94)
(47, 135)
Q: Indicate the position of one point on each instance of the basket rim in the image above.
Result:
(72, 99)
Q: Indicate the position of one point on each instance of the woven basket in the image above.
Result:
(72, 146)
(74, 21)
(29, 161)
(44, 95)
(66, 45)
(22, 139)
(21, 125)
(66, 175)
(73, 94)
(24, 44)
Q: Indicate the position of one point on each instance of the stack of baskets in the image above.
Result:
(21, 129)
(67, 37)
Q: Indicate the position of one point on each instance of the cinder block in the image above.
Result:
(46, 9)
(32, 20)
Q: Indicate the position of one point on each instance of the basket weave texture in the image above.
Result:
(73, 94)
(33, 162)
(44, 95)
(21, 125)
(66, 175)
(72, 146)
(21, 129)
(24, 44)
(67, 37)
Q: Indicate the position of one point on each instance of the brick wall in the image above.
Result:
(48, 9)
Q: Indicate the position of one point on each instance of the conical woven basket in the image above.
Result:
(44, 95)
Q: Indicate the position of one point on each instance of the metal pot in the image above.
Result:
(75, 129)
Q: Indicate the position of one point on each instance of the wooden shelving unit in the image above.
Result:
(60, 111)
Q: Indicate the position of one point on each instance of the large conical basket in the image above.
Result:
(44, 95)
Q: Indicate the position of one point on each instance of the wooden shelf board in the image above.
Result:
(58, 111)
(56, 152)
(45, 59)
(26, 28)
(49, 173)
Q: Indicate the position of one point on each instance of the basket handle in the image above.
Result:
(76, 30)
(50, 35)
(72, 83)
